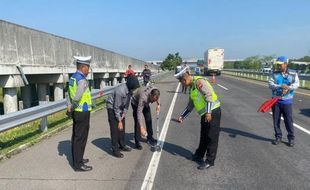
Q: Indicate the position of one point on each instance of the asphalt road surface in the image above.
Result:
(246, 158)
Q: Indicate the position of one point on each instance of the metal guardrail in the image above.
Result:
(301, 77)
(11, 120)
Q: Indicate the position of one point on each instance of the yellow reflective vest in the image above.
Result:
(85, 103)
(198, 99)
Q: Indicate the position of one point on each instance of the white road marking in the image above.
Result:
(297, 126)
(151, 171)
(222, 87)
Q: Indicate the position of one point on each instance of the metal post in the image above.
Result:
(43, 123)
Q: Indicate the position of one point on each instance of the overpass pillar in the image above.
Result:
(42, 91)
(114, 81)
(58, 91)
(10, 100)
(26, 96)
(123, 80)
(102, 83)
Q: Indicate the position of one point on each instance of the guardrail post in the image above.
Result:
(20, 105)
(303, 83)
(43, 123)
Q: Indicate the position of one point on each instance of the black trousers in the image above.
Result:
(287, 112)
(79, 136)
(117, 136)
(148, 122)
(209, 135)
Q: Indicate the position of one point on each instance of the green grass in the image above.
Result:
(30, 133)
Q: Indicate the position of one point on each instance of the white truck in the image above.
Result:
(214, 61)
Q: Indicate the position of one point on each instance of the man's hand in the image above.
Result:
(158, 108)
(120, 125)
(69, 111)
(285, 89)
(181, 119)
(143, 132)
(208, 117)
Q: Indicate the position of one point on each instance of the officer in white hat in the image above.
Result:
(80, 105)
(204, 99)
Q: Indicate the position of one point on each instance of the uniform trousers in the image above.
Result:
(117, 136)
(286, 110)
(209, 135)
(79, 136)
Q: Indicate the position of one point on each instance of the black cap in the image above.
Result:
(132, 82)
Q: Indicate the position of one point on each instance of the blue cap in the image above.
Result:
(282, 60)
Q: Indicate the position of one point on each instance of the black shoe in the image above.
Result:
(125, 148)
(277, 141)
(83, 168)
(290, 143)
(152, 141)
(197, 159)
(138, 146)
(204, 166)
(117, 154)
(84, 161)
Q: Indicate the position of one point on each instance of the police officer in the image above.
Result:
(80, 105)
(204, 99)
(283, 83)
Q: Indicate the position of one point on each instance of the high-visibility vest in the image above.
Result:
(198, 99)
(85, 103)
(280, 80)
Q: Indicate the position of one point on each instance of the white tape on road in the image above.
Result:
(222, 87)
(152, 169)
(297, 126)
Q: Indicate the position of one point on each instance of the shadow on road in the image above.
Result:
(64, 149)
(177, 150)
(233, 133)
(105, 143)
(305, 112)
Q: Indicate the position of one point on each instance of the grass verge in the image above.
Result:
(17, 139)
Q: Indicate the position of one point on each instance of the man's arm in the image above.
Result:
(188, 109)
(82, 86)
(271, 83)
(206, 91)
(295, 85)
(117, 96)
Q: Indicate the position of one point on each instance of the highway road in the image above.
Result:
(246, 157)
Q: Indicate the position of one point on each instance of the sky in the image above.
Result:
(150, 30)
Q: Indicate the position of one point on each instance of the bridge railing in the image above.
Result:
(18, 118)
(304, 80)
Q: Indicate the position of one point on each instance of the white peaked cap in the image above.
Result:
(82, 60)
(181, 73)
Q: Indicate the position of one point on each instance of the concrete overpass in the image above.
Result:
(35, 60)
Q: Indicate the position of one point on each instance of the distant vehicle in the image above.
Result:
(266, 70)
(178, 69)
(214, 59)
(197, 71)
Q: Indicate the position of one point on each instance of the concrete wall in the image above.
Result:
(40, 53)
(35, 61)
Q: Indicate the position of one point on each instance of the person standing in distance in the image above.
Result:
(80, 106)
(146, 74)
(204, 99)
(283, 83)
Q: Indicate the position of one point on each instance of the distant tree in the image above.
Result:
(254, 62)
(171, 61)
